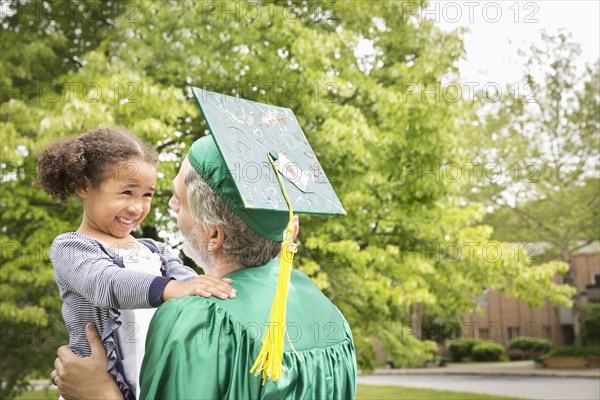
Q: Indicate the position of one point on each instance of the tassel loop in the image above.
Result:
(292, 247)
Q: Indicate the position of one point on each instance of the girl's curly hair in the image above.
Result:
(65, 165)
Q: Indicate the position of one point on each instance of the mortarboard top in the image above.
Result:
(246, 132)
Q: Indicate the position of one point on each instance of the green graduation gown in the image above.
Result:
(199, 348)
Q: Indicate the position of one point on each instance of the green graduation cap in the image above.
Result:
(259, 162)
(246, 132)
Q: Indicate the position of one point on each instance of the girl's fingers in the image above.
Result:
(222, 284)
(222, 291)
(214, 280)
(296, 222)
(208, 286)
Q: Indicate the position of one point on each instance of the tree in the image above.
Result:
(408, 238)
(41, 42)
(549, 139)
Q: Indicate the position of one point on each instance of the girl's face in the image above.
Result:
(122, 201)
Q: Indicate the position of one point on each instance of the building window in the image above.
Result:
(595, 278)
(483, 299)
(513, 332)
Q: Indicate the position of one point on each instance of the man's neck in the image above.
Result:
(217, 266)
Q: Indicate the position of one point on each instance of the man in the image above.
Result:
(201, 348)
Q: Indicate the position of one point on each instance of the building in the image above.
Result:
(505, 318)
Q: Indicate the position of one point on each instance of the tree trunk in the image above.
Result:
(417, 320)
(576, 309)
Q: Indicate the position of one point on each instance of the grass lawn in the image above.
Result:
(363, 392)
(371, 392)
(39, 395)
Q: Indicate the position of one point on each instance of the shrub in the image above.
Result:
(590, 351)
(419, 353)
(517, 354)
(530, 344)
(487, 351)
(461, 348)
(591, 322)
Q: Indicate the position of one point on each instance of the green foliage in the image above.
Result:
(374, 135)
(578, 351)
(591, 322)
(405, 350)
(462, 348)
(530, 344)
(487, 351)
(441, 328)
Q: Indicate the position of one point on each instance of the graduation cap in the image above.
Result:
(259, 162)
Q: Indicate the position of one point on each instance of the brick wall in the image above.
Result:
(506, 317)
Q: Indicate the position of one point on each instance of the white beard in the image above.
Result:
(194, 247)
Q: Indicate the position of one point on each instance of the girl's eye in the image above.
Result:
(127, 192)
(148, 195)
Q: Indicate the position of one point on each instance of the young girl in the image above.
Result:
(103, 273)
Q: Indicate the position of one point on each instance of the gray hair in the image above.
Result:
(242, 246)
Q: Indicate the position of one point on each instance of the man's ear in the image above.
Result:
(215, 238)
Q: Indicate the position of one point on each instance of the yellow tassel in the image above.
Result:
(270, 358)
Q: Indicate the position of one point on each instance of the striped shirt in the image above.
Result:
(94, 284)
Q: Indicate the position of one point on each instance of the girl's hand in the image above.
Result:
(296, 223)
(204, 285)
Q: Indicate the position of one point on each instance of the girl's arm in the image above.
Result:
(80, 266)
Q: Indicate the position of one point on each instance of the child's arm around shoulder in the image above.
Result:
(187, 282)
(82, 267)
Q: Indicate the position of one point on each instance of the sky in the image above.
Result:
(497, 29)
